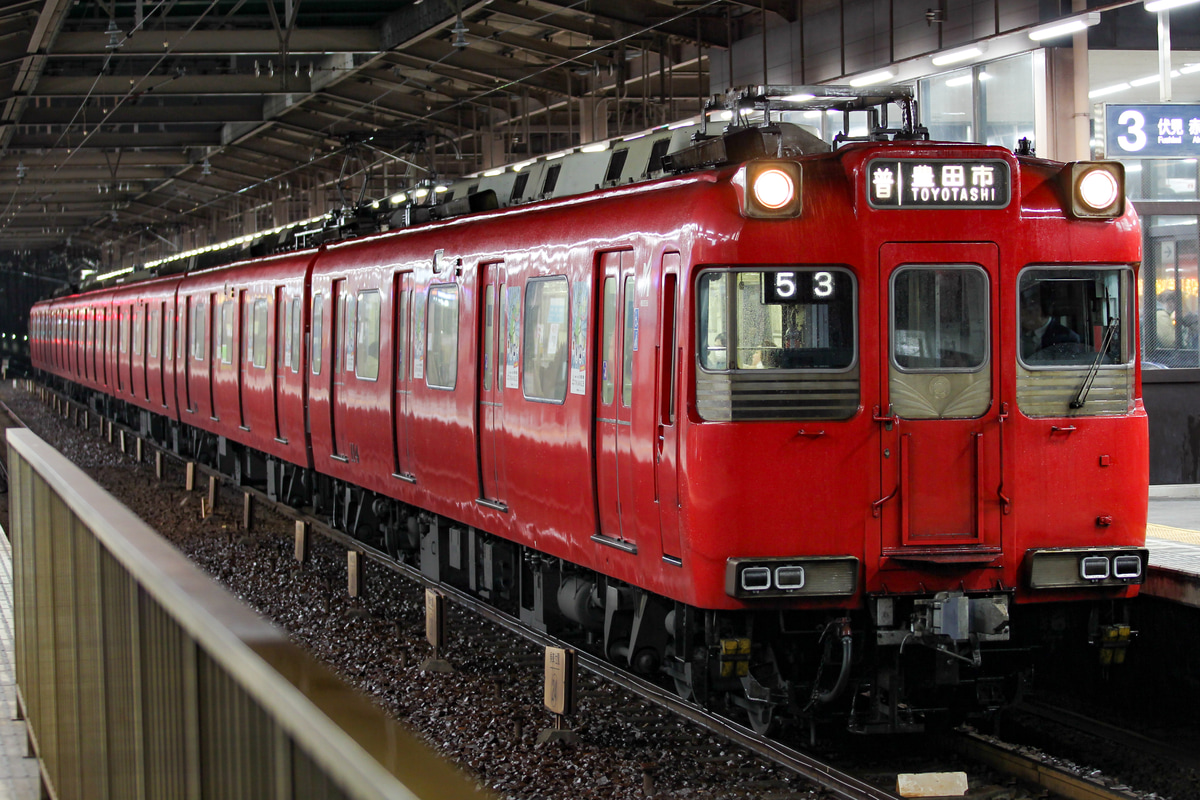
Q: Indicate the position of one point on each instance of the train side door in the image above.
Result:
(343, 365)
(402, 391)
(492, 374)
(666, 453)
(941, 418)
(614, 401)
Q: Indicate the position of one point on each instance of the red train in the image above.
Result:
(846, 433)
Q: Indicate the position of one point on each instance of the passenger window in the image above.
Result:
(441, 350)
(199, 315)
(124, 330)
(316, 350)
(546, 329)
(608, 364)
(940, 319)
(259, 333)
(368, 335)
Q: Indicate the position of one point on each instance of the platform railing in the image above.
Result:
(141, 678)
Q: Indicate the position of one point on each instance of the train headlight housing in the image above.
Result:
(770, 189)
(1096, 189)
(1086, 566)
(818, 576)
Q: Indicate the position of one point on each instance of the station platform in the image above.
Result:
(18, 772)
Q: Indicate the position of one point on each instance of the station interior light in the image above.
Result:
(1166, 5)
(1063, 27)
(958, 56)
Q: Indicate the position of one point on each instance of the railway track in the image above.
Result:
(831, 781)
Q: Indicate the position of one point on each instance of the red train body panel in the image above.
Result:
(914, 447)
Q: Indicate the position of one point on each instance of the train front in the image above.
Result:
(918, 455)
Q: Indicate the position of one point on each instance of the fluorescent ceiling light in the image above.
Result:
(1107, 90)
(873, 78)
(491, 173)
(958, 56)
(679, 125)
(594, 148)
(1146, 81)
(961, 80)
(1065, 26)
(798, 98)
(1166, 5)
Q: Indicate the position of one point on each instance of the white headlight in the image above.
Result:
(1099, 189)
(773, 189)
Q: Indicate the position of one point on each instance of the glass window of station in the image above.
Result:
(1156, 144)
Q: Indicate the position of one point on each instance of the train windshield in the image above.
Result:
(785, 318)
(1075, 317)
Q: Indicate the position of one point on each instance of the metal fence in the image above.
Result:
(141, 678)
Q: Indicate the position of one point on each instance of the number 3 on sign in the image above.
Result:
(1135, 124)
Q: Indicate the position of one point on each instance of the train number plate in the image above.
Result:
(937, 183)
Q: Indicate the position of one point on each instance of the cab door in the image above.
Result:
(940, 414)
(614, 402)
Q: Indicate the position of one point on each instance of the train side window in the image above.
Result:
(368, 335)
(199, 315)
(544, 362)
(123, 334)
(629, 341)
(489, 335)
(259, 333)
(609, 339)
(139, 329)
(316, 349)
(418, 336)
(294, 336)
(155, 332)
(402, 337)
(283, 331)
(225, 332)
(441, 350)
(350, 321)
(168, 334)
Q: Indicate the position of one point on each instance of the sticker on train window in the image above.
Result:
(930, 183)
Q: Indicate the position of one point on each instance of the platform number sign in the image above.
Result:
(784, 287)
(1154, 130)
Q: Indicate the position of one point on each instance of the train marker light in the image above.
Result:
(1096, 189)
(1093, 568)
(771, 189)
(1127, 567)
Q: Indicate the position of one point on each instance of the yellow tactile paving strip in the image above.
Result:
(1173, 534)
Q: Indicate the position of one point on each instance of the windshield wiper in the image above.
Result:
(1081, 396)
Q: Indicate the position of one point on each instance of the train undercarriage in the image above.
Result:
(900, 665)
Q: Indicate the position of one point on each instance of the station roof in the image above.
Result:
(133, 120)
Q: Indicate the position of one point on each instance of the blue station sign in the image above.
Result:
(1158, 130)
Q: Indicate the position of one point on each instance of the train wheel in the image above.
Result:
(761, 716)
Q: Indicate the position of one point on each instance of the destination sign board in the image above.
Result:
(938, 183)
(1155, 130)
